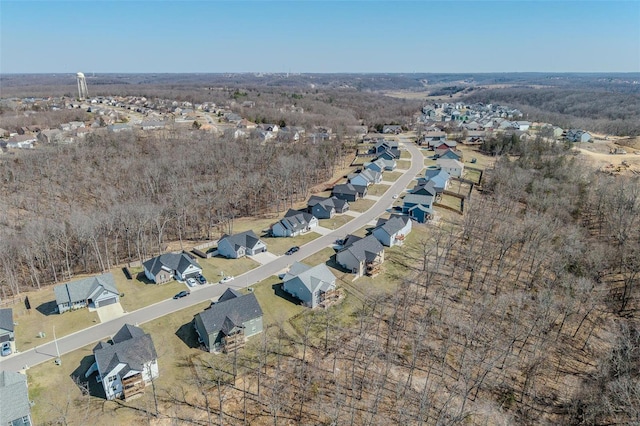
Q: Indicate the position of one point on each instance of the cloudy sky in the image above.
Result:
(319, 36)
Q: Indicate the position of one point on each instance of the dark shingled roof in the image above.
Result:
(131, 346)
(366, 248)
(246, 239)
(171, 262)
(14, 397)
(393, 224)
(231, 310)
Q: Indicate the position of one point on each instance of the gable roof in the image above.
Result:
(327, 202)
(394, 224)
(363, 249)
(14, 397)
(170, 262)
(131, 346)
(314, 278)
(426, 200)
(230, 313)
(6, 319)
(449, 163)
(426, 188)
(296, 219)
(348, 189)
(81, 289)
(229, 294)
(246, 239)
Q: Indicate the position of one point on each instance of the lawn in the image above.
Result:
(472, 175)
(278, 245)
(214, 267)
(378, 189)
(277, 306)
(320, 257)
(403, 164)
(174, 340)
(361, 205)
(405, 154)
(391, 176)
(41, 318)
(429, 162)
(449, 201)
(335, 222)
(140, 292)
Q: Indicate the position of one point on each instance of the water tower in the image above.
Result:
(83, 93)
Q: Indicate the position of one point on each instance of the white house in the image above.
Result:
(309, 284)
(294, 223)
(126, 366)
(92, 291)
(163, 268)
(238, 245)
(393, 231)
(454, 167)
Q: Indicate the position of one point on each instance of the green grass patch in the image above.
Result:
(320, 257)
(335, 222)
(391, 176)
(214, 267)
(276, 305)
(140, 292)
(450, 201)
(377, 189)
(279, 245)
(472, 175)
(361, 205)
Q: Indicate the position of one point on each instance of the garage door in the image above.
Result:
(106, 302)
(192, 275)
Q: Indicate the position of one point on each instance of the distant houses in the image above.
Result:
(227, 323)
(577, 135)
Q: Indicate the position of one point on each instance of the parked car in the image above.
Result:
(395, 196)
(182, 294)
(6, 349)
(191, 282)
(226, 280)
(292, 250)
(201, 279)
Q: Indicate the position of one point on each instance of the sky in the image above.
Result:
(450, 36)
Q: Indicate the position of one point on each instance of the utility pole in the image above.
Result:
(58, 361)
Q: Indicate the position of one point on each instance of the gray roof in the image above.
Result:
(14, 397)
(424, 188)
(131, 346)
(79, 290)
(246, 239)
(231, 310)
(426, 200)
(366, 248)
(448, 162)
(296, 219)
(6, 319)
(327, 202)
(393, 224)
(171, 261)
(314, 278)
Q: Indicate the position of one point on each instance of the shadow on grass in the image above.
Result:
(48, 308)
(140, 276)
(87, 384)
(332, 263)
(188, 335)
(278, 290)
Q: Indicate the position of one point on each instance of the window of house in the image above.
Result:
(112, 378)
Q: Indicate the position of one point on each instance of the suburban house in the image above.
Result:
(361, 255)
(126, 365)
(381, 164)
(294, 223)
(312, 285)
(475, 137)
(577, 135)
(243, 244)
(326, 207)
(365, 178)
(15, 408)
(523, 126)
(7, 338)
(444, 144)
(391, 129)
(420, 213)
(434, 138)
(93, 292)
(439, 177)
(446, 152)
(22, 141)
(349, 192)
(167, 266)
(227, 323)
(386, 146)
(421, 198)
(392, 232)
(454, 167)
(377, 165)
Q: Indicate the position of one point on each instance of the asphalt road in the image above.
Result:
(69, 343)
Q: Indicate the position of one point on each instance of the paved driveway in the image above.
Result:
(110, 312)
(264, 257)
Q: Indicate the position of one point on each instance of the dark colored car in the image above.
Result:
(182, 294)
(292, 250)
(201, 279)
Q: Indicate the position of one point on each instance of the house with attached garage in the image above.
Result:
(439, 177)
(312, 285)
(446, 152)
(365, 178)
(15, 407)
(349, 192)
(294, 223)
(92, 292)
(326, 207)
(243, 244)
(227, 323)
(454, 167)
(391, 129)
(126, 365)
(392, 232)
(419, 205)
(361, 256)
(385, 146)
(7, 337)
(168, 266)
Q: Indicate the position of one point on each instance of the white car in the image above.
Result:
(226, 280)
(191, 282)
(395, 196)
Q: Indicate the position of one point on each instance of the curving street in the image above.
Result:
(69, 343)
